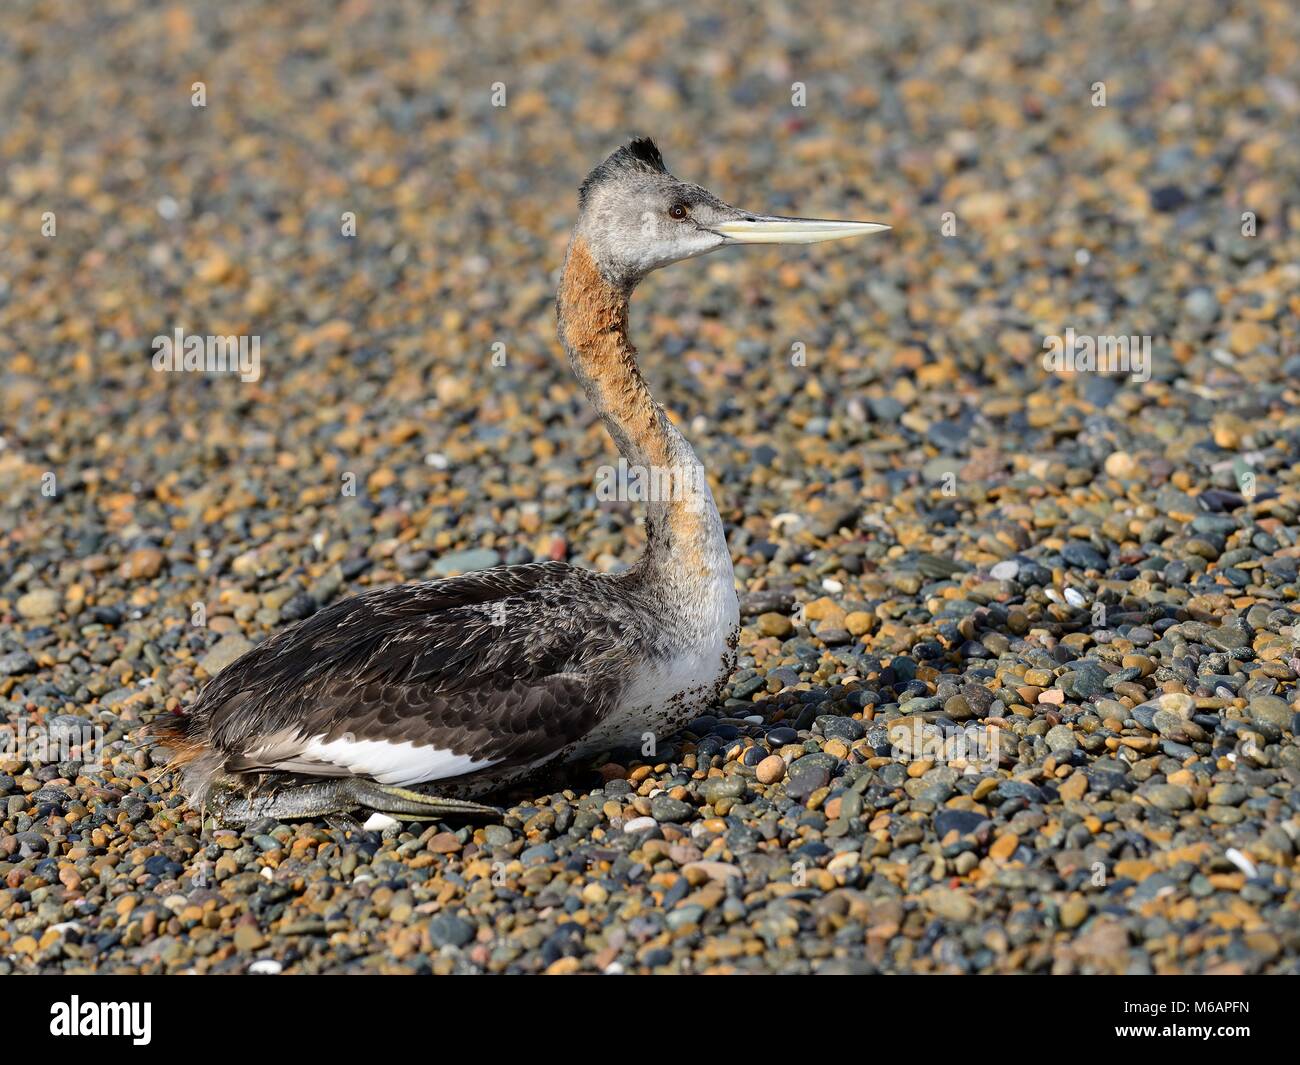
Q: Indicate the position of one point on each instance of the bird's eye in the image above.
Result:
(677, 211)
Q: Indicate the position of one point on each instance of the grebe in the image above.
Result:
(474, 683)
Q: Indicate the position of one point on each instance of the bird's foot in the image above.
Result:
(344, 823)
(410, 805)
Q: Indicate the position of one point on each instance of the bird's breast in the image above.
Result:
(677, 678)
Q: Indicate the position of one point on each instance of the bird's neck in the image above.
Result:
(684, 533)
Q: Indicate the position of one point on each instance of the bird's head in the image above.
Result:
(635, 217)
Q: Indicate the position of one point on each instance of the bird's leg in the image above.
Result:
(234, 807)
(336, 799)
(412, 805)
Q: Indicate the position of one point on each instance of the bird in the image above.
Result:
(417, 699)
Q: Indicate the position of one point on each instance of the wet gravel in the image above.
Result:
(1018, 676)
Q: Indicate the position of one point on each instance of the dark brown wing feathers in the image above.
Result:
(509, 664)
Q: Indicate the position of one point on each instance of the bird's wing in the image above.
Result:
(425, 682)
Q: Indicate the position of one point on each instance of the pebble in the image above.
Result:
(770, 769)
(949, 904)
(1074, 911)
(225, 651)
(450, 930)
(1270, 710)
(805, 777)
(39, 604)
(249, 938)
(142, 564)
(1170, 797)
(1060, 739)
(963, 822)
(16, 663)
(1121, 464)
(469, 561)
(666, 808)
(773, 624)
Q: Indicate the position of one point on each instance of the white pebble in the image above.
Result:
(1241, 862)
(266, 967)
(1075, 597)
(640, 824)
(377, 822)
(1005, 571)
(830, 584)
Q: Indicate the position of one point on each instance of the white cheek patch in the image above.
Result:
(646, 244)
(392, 763)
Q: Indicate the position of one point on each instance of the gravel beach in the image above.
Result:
(1017, 689)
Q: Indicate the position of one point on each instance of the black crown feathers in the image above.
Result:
(640, 153)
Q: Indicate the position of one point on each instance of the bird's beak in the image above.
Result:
(777, 229)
